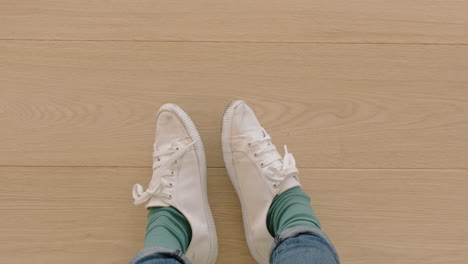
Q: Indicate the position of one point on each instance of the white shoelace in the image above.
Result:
(276, 174)
(163, 160)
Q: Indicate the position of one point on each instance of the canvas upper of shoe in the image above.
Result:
(179, 180)
(257, 171)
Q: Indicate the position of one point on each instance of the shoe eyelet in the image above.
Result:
(171, 185)
(249, 145)
(176, 161)
(159, 159)
(169, 196)
(275, 185)
(177, 148)
(172, 173)
(255, 155)
(262, 165)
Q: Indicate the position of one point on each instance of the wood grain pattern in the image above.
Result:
(85, 215)
(335, 106)
(371, 96)
(377, 21)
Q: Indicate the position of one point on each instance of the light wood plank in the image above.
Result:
(335, 106)
(83, 215)
(398, 21)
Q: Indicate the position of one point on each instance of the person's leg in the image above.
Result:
(168, 235)
(172, 257)
(303, 248)
(298, 238)
(291, 209)
(167, 227)
(180, 226)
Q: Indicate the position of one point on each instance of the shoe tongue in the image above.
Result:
(277, 164)
(156, 200)
(260, 134)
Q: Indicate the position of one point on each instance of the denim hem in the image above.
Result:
(177, 254)
(299, 230)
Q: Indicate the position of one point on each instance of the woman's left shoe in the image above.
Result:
(179, 180)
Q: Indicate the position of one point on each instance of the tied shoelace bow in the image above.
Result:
(276, 174)
(161, 170)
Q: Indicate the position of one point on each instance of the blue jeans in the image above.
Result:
(293, 246)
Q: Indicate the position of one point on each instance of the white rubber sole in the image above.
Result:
(228, 161)
(200, 149)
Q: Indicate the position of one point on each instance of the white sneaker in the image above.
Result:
(179, 180)
(257, 172)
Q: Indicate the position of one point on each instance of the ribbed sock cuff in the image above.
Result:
(291, 209)
(167, 228)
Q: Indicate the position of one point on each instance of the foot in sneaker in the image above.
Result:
(179, 182)
(257, 172)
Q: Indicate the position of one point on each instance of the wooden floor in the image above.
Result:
(371, 97)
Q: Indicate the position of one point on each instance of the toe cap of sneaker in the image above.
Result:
(244, 121)
(169, 127)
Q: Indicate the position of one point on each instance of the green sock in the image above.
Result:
(167, 228)
(291, 209)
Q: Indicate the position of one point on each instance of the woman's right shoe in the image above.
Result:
(257, 171)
